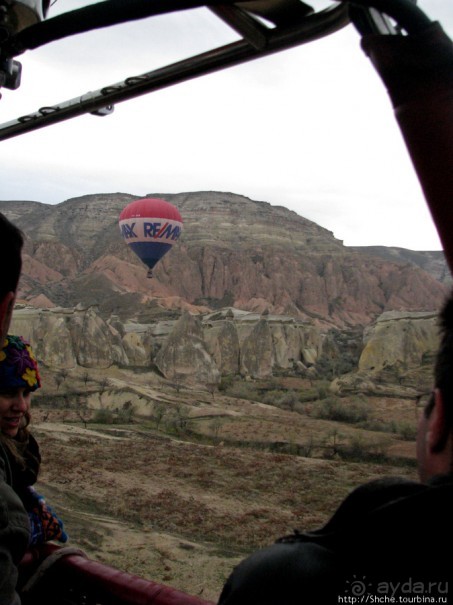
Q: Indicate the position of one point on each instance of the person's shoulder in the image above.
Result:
(32, 439)
(365, 500)
(5, 468)
(287, 573)
(383, 491)
(33, 446)
(387, 539)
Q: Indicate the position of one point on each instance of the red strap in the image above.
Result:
(418, 73)
(102, 582)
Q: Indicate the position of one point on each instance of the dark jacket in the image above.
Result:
(14, 533)
(389, 538)
(25, 475)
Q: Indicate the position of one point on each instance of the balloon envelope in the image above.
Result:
(150, 227)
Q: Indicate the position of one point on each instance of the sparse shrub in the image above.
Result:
(326, 368)
(103, 416)
(272, 397)
(159, 410)
(332, 408)
(103, 386)
(178, 420)
(307, 448)
(302, 408)
(215, 425)
(330, 368)
(378, 426)
(226, 382)
(359, 449)
(323, 392)
(126, 414)
(333, 444)
(407, 431)
(177, 382)
(84, 419)
(309, 395)
(244, 390)
(282, 399)
(212, 388)
(288, 400)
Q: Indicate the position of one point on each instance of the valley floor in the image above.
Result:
(181, 500)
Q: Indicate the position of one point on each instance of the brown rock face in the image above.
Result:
(233, 252)
(200, 350)
(66, 338)
(257, 359)
(399, 339)
(223, 344)
(184, 351)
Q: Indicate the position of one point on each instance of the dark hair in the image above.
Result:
(443, 369)
(15, 446)
(11, 242)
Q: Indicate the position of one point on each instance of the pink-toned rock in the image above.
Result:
(233, 252)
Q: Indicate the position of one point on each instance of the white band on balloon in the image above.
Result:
(137, 229)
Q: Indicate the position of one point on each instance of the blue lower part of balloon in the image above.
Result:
(150, 253)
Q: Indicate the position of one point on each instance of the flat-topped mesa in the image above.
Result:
(233, 252)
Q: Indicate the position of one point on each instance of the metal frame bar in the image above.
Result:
(257, 41)
(103, 14)
(101, 101)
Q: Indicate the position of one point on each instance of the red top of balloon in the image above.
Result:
(151, 207)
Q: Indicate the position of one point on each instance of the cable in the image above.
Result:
(94, 16)
(112, 12)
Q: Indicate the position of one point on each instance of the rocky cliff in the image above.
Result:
(397, 356)
(431, 261)
(233, 252)
(197, 349)
(201, 349)
(397, 339)
(66, 338)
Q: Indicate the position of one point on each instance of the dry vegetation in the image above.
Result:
(177, 485)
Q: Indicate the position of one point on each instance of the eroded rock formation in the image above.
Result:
(184, 355)
(399, 339)
(192, 348)
(65, 338)
(203, 348)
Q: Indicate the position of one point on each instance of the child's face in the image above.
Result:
(14, 403)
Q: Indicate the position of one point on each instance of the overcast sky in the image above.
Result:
(310, 128)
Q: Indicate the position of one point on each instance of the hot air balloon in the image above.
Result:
(150, 227)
